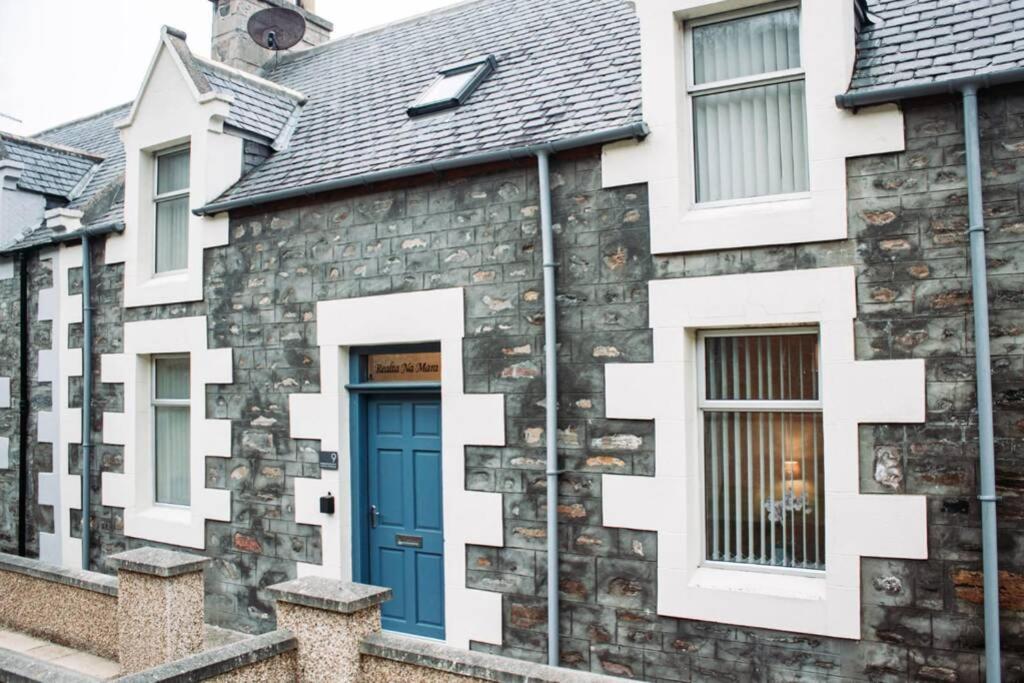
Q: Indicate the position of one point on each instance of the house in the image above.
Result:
(334, 310)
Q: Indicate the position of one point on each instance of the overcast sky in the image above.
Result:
(63, 59)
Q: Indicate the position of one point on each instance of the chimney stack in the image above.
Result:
(232, 44)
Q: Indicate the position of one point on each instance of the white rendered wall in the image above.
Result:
(134, 489)
(671, 502)
(169, 111)
(470, 517)
(665, 159)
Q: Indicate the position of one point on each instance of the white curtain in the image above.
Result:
(172, 234)
(750, 141)
(172, 213)
(171, 431)
(172, 172)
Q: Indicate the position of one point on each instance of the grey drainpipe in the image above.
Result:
(85, 236)
(86, 400)
(983, 370)
(968, 87)
(550, 399)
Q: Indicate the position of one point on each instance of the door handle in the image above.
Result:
(373, 516)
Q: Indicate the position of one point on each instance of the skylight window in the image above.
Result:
(453, 85)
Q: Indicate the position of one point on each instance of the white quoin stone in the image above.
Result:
(853, 392)
(665, 159)
(470, 517)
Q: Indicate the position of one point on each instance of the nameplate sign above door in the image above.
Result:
(404, 367)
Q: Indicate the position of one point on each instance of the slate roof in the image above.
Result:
(103, 199)
(925, 41)
(565, 67)
(47, 169)
(260, 110)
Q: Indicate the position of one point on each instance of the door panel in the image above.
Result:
(406, 534)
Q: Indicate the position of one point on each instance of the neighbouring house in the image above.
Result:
(302, 304)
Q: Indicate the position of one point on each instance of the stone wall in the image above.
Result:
(10, 368)
(921, 619)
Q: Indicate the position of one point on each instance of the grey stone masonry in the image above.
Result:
(10, 367)
(922, 620)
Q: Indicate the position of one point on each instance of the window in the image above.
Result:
(763, 448)
(453, 86)
(749, 115)
(171, 416)
(171, 199)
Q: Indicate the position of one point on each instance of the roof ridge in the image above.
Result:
(80, 119)
(52, 146)
(334, 42)
(254, 79)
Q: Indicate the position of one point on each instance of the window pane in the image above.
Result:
(447, 87)
(171, 436)
(172, 375)
(751, 142)
(778, 367)
(172, 172)
(764, 479)
(745, 47)
(172, 234)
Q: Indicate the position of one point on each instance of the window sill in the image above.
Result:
(771, 584)
(167, 514)
(758, 201)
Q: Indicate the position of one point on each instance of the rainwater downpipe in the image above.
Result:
(87, 444)
(967, 87)
(983, 370)
(23, 408)
(550, 398)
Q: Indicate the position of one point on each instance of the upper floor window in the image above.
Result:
(172, 210)
(749, 112)
(171, 433)
(763, 448)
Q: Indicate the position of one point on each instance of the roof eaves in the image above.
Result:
(638, 130)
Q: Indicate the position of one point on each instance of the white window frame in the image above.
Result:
(762, 405)
(156, 402)
(159, 198)
(695, 91)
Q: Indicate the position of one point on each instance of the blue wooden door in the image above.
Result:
(406, 531)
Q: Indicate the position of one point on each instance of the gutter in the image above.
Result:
(951, 86)
(633, 130)
(968, 88)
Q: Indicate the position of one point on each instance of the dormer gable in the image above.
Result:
(184, 140)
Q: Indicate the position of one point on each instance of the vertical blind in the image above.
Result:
(750, 138)
(171, 414)
(172, 177)
(764, 468)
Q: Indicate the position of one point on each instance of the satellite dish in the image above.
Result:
(277, 28)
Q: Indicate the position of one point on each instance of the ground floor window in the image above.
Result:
(171, 434)
(763, 448)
